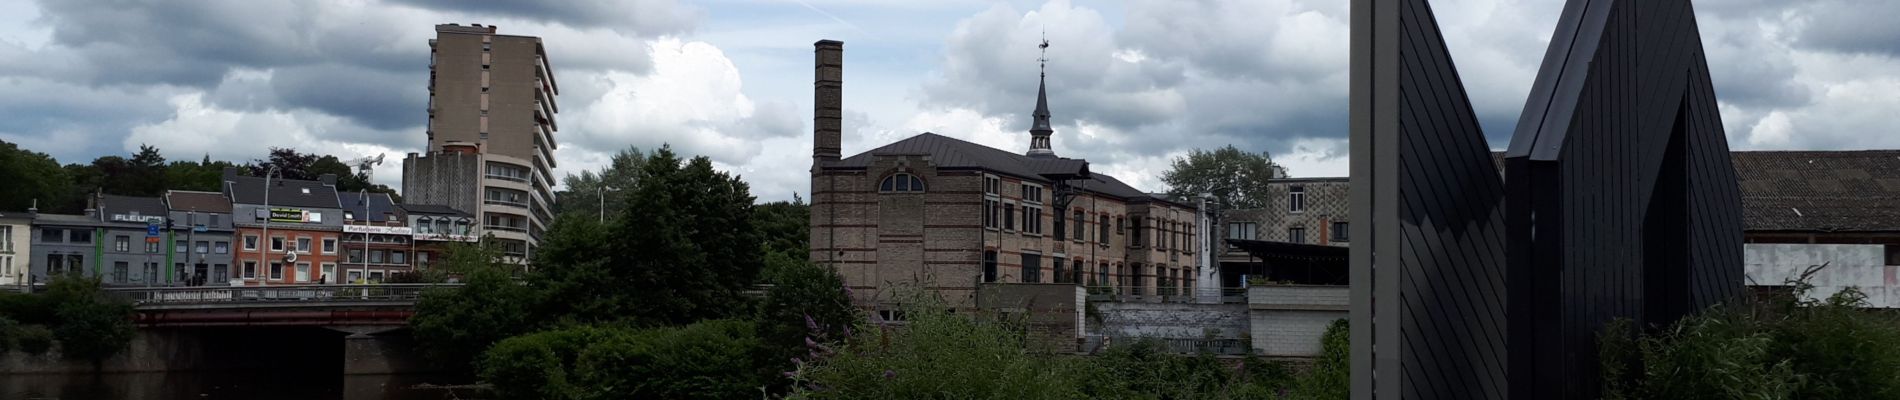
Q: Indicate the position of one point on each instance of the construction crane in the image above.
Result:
(366, 165)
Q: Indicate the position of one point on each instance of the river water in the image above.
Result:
(229, 385)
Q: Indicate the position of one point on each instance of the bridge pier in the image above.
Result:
(380, 350)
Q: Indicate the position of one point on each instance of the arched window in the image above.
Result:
(901, 183)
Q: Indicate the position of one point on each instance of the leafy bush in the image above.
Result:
(94, 330)
(706, 360)
(1783, 346)
(1331, 376)
(34, 339)
(1144, 369)
(9, 331)
(943, 356)
(537, 366)
(454, 325)
(807, 301)
(710, 359)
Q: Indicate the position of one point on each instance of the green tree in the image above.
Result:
(1236, 179)
(807, 301)
(589, 193)
(573, 279)
(31, 178)
(289, 164)
(203, 176)
(454, 325)
(786, 226)
(685, 246)
(91, 325)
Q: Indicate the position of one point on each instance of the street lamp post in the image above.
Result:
(602, 192)
(263, 247)
(363, 196)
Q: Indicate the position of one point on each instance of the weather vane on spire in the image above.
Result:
(1043, 61)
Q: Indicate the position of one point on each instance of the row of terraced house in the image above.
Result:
(486, 173)
(252, 232)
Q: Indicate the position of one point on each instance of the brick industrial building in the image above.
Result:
(491, 133)
(942, 215)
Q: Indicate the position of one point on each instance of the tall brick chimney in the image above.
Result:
(828, 103)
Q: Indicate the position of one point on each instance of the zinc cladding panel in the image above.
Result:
(1432, 220)
(1636, 207)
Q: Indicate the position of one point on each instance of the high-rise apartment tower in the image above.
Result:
(491, 133)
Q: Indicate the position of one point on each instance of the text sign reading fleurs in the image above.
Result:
(135, 217)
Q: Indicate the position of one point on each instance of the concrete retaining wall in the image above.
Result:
(1848, 265)
(1288, 320)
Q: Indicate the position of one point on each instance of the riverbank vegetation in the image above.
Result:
(73, 315)
(1782, 345)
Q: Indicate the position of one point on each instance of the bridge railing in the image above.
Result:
(277, 293)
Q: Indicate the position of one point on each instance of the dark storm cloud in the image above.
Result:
(74, 124)
(632, 17)
(377, 99)
(180, 43)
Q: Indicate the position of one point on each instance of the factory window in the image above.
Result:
(1339, 232)
(1296, 235)
(901, 183)
(989, 266)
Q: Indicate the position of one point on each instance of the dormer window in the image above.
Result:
(901, 182)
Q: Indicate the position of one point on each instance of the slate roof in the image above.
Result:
(1816, 191)
(952, 153)
(378, 207)
(148, 206)
(186, 200)
(432, 209)
(283, 192)
(1825, 191)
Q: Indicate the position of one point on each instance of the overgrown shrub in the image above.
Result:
(807, 301)
(710, 359)
(9, 332)
(94, 330)
(1144, 369)
(34, 339)
(937, 355)
(1782, 346)
(705, 360)
(539, 365)
(1331, 376)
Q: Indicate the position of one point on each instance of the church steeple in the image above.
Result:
(1039, 131)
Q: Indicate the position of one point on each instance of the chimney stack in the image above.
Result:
(828, 103)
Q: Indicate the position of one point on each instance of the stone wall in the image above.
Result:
(1169, 320)
(1051, 312)
(1288, 320)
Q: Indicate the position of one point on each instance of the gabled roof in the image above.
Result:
(376, 209)
(148, 206)
(1825, 191)
(283, 192)
(952, 153)
(186, 200)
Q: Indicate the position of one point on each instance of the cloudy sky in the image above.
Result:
(1132, 83)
